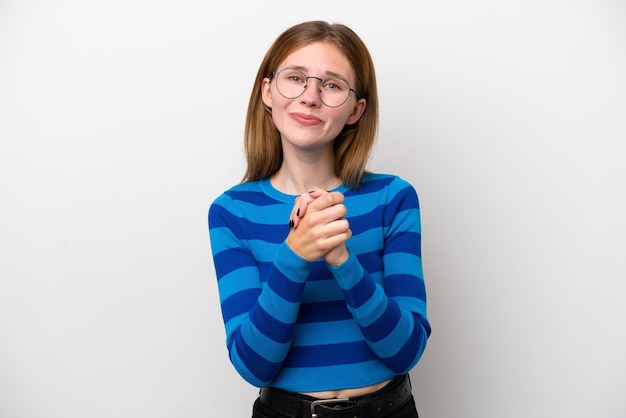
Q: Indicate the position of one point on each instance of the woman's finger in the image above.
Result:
(301, 205)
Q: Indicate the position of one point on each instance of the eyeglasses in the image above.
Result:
(334, 91)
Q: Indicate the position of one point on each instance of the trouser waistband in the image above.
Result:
(384, 401)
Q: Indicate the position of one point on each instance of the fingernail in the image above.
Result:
(298, 212)
(291, 223)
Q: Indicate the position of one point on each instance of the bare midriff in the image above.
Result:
(347, 393)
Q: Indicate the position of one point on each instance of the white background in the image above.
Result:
(121, 120)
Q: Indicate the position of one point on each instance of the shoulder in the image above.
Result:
(246, 192)
(387, 183)
(251, 200)
(387, 189)
(233, 199)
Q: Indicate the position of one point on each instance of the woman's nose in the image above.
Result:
(312, 91)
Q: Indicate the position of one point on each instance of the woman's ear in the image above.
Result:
(357, 112)
(266, 92)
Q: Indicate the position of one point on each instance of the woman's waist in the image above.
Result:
(329, 380)
(348, 393)
(384, 401)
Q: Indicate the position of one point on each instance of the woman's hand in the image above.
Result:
(301, 204)
(323, 232)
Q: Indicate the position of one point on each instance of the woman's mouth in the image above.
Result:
(304, 119)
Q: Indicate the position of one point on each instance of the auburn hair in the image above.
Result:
(353, 145)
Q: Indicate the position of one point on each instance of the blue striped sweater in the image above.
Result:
(308, 327)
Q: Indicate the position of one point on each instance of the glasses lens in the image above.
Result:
(333, 91)
(290, 83)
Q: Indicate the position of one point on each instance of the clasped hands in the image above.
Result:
(318, 227)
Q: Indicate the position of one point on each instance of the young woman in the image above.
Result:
(318, 260)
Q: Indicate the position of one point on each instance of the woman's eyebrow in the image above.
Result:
(305, 70)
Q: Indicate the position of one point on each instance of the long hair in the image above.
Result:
(353, 145)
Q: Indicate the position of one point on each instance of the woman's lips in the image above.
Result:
(305, 119)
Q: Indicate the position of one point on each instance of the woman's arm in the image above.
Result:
(259, 317)
(392, 315)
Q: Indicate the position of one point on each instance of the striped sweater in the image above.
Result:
(308, 327)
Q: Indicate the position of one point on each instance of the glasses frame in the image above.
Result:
(319, 90)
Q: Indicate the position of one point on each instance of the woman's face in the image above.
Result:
(305, 122)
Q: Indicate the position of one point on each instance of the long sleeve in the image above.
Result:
(259, 312)
(391, 314)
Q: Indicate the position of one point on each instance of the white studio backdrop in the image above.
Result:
(120, 121)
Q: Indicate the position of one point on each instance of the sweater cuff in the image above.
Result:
(348, 273)
(291, 265)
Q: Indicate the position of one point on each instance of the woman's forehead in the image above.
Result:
(319, 58)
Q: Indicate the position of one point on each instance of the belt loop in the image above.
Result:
(364, 408)
(300, 408)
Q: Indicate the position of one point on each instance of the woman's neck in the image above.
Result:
(301, 178)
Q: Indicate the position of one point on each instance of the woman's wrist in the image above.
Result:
(337, 256)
